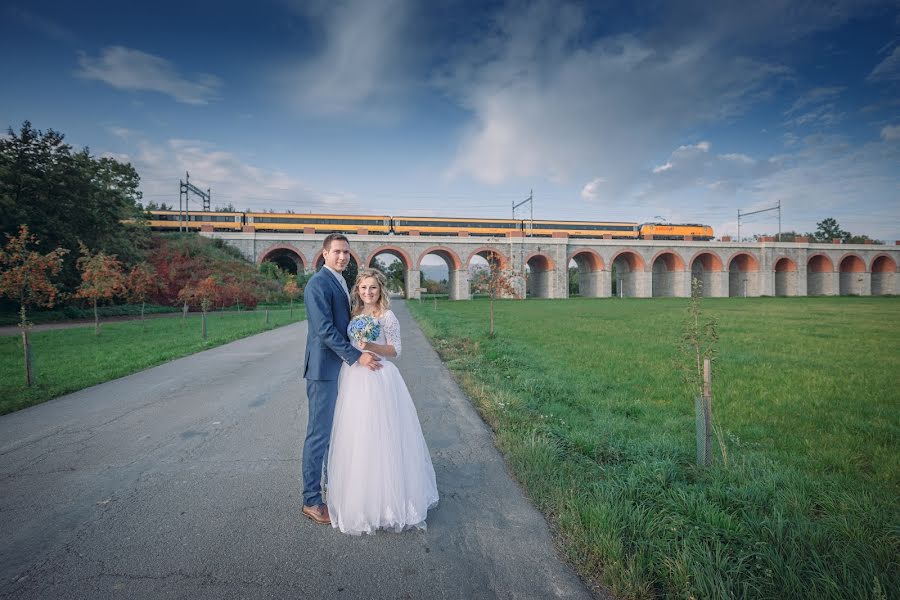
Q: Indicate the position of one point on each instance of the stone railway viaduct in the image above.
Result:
(643, 268)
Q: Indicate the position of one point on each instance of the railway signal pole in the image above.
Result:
(184, 189)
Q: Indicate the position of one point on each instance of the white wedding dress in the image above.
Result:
(379, 471)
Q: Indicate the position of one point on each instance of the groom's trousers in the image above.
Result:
(322, 395)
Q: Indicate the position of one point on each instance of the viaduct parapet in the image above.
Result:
(633, 268)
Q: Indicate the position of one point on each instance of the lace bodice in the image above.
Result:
(390, 331)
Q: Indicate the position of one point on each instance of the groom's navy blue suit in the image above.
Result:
(327, 346)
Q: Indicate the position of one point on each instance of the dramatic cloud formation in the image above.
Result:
(361, 65)
(133, 70)
(545, 103)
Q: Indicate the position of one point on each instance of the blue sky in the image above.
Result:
(686, 111)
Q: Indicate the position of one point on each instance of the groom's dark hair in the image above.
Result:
(334, 237)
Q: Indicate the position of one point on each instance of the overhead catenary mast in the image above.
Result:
(184, 189)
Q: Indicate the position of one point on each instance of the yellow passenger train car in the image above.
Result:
(672, 231)
(300, 222)
(447, 226)
(194, 220)
(582, 229)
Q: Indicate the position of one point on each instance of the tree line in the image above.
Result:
(74, 232)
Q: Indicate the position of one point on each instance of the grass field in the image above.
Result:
(67, 360)
(596, 425)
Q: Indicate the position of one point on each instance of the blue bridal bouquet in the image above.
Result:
(364, 328)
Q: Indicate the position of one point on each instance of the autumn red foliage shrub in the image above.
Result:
(185, 261)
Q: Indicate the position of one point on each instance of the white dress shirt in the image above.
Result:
(341, 281)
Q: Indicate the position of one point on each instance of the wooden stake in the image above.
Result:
(707, 378)
(26, 346)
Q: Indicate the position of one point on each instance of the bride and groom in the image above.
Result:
(377, 472)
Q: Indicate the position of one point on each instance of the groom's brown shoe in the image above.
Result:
(318, 514)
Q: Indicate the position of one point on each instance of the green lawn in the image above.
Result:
(67, 360)
(598, 428)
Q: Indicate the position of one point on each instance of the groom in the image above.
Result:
(327, 303)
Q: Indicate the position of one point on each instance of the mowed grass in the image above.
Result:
(67, 360)
(598, 427)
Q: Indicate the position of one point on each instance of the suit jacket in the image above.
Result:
(327, 315)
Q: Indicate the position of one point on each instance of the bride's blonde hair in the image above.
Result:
(383, 301)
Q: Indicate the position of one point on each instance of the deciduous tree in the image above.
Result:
(102, 278)
(203, 294)
(25, 278)
(141, 284)
(292, 290)
(497, 282)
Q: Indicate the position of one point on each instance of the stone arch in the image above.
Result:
(411, 278)
(539, 279)
(492, 254)
(457, 276)
(884, 270)
(667, 269)
(628, 270)
(786, 277)
(707, 267)
(450, 257)
(819, 275)
(286, 256)
(852, 276)
(590, 272)
(396, 251)
(481, 251)
(743, 274)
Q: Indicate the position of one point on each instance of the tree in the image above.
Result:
(495, 281)
(828, 230)
(698, 344)
(25, 278)
(67, 196)
(204, 294)
(292, 290)
(142, 282)
(574, 284)
(101, 279)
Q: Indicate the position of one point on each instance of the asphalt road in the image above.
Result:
(182, 481)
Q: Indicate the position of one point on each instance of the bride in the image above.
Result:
(379, 471)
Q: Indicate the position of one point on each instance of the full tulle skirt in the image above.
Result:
(379, 471)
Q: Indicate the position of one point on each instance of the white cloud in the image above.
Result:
(738, 158)
(232, 180)
(888, 69)
(890, 133)
(361, 66)
(133, 70)
(546, 103)
(591, 190)
(692, 166)
(814, 96)
(121, 132)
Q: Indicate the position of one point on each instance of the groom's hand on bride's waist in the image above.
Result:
(370, 360)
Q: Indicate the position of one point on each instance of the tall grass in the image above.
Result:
(67, 360)
(595, 422)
